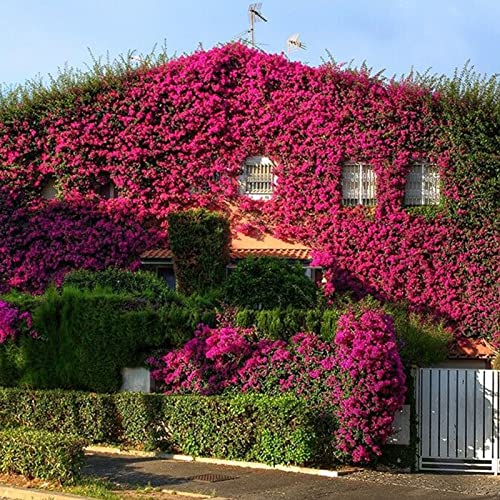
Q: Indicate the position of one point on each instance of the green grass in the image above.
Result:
(93, 488)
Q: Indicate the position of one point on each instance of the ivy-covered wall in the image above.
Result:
(175, 136)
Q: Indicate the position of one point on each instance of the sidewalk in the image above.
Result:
(250, 484)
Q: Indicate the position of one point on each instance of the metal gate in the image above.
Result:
(459, 420)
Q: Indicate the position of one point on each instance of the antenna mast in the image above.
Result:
(255, 16)
(294, 43)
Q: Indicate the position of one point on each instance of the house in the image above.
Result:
(265, 245)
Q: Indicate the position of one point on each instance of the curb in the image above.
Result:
(18, 493)
(217, 461)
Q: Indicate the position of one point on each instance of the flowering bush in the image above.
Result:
(13, 322)
(43, 241)
(360, 378)
(175, 137)
(371, 383)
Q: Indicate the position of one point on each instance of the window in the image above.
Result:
(49, 189)
(422, 185)
(257, 179)
(107, 191)
(358, 184)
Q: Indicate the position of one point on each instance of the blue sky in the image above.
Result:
(38, 36)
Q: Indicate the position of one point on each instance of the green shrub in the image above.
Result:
(199, 240)
(269, 283)
(142, 284)
(40, 454)
(284, 323)
(423, 341)
(283, 429)
(85, 339)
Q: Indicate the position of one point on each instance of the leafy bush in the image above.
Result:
(245, 427)
(84, 338)
(142, 284)
(199, 240)
(422, 340)
(358, 379)
(40, 454)
(269, 283)
(284, 323)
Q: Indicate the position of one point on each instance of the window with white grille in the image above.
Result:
(358, 184)
(422, 185)
(257, 179)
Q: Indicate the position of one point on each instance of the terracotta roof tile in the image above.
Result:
(468, 348)
(241, 253)
(244, 246)
(283, 253)
(157, 253)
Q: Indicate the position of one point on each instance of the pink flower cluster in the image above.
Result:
(13, 322)
(360, 377)
(176, 136)
(371, 383)
(42, 242)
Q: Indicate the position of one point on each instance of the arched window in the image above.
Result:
(257, 179)
(422, 185)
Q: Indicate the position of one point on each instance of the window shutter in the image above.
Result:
(430, 183)
(358, 184)
(350, 184)
(367, 185)
(413, 187)
(422, 185)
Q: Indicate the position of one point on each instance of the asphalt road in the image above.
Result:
(254, 484)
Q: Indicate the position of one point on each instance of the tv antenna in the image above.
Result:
(254, 16)
(293, 43)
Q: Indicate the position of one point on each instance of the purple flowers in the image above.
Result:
(359, 378)
(175, 137)
(13, 322)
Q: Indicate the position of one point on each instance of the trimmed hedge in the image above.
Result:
(273, 430)
(84, 338)
(141, 284)
(40, 454)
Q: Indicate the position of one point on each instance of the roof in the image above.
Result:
(245, 246)
(469, 348)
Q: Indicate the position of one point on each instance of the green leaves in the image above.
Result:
(199, 240)
(269, 283)
(40, 454)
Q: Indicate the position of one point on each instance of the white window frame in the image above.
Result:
(359, 184)
(255, 185)
(422, 185)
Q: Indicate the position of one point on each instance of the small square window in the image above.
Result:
(49, 189)
(108, 191)
(422, 185)
(257, 179)
(358, 184)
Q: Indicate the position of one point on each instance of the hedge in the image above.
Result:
(199, 240)
(40, 454)
(143, 284)
(273, 430)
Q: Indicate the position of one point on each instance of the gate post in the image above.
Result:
(415, 413)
